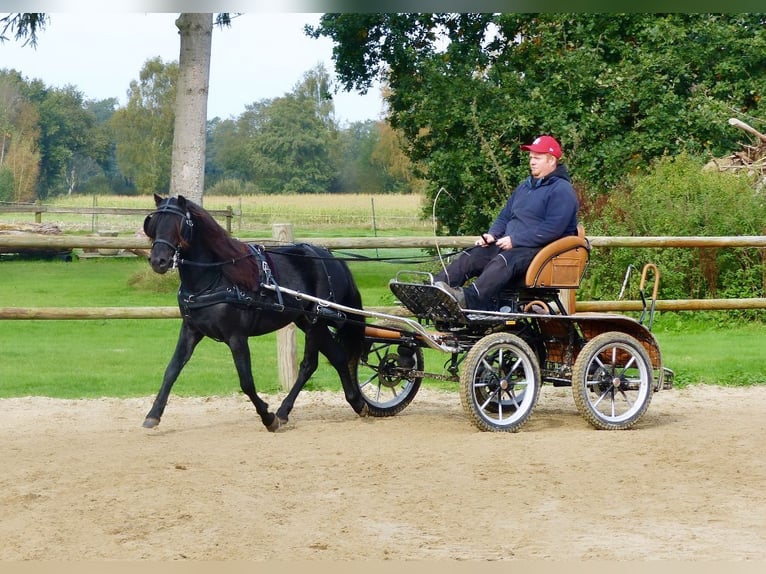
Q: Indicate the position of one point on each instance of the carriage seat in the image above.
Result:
(561, 264)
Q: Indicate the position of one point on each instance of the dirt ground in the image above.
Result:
(82, 480)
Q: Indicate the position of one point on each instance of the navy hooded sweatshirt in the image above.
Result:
(539, 211)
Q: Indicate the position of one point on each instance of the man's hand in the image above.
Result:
(504, 243)
(484, 240)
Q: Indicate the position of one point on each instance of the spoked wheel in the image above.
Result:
(500, 383)
(612, 381)
(386, 377)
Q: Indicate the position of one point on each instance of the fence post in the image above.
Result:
(287, 354)
(569, 300)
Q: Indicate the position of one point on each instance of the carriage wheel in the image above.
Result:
(387, 384)
(500, 383)
(612, 381)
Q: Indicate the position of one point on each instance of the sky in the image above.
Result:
(260, 56)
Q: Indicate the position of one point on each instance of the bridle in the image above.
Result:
(186, 237)
(186, 230)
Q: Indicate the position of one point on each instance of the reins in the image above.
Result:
(346, 256)
(233, 261)
(349, 257)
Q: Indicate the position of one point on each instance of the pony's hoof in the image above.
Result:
(364, 411)
(150, 423)
(276, 424)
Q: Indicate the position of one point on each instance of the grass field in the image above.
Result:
(73, 359)
(312, 215)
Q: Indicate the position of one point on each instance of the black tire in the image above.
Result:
(387, 387)
(500, 383)
(612, 381)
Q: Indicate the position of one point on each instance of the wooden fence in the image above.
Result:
(66, 242)
(286, 344)
(31, 240)
(38, 209)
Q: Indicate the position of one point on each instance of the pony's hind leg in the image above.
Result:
(321, 340)
(240, 351)
(318, 339)
(344, 353)
(308, 366)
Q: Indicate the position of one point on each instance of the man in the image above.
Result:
(540, 210)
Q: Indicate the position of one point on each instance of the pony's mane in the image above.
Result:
(244, 270)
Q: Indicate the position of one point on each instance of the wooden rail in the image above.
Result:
(413, 242)
(30, 240)
(59, 313)
(84, 313)
(39, 209)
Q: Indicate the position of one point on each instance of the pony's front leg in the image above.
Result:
(187, 342)
(241, 353)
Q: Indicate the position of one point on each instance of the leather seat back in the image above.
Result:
(560, 264)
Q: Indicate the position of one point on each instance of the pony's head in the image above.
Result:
(177, 221)
(170, 228)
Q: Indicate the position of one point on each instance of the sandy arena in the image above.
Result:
(82, 480)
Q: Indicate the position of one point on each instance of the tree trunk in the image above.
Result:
(187, 175)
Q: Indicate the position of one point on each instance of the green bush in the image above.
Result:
(677, 197)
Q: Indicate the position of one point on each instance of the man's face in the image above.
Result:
(541, 164)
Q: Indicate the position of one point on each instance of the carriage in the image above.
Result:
(501, 357)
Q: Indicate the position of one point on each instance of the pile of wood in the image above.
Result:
(41, 228)
(750, 159)
(26, 228)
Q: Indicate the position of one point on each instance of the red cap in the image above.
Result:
(544, 144)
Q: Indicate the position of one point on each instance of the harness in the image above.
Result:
(215, 294)
(234, 295)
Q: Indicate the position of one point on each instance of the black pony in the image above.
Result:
(230, 291)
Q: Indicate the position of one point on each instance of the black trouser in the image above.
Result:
(493, 268)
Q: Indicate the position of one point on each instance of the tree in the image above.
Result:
(143, 130)
(53, 140)
(283, 144)
(317, 86)
(16, 181)
(195, 34)
(19, 139)
(24, 26)
(108, 176)
(678, 194)
(290, 149)
(617, 89)
(66, 130)
(388, 157)
(227, 153)
(353, 152)
(189, 135)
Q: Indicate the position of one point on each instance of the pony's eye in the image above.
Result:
(148, 226)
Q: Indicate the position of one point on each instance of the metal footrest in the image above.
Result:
(427, 302)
